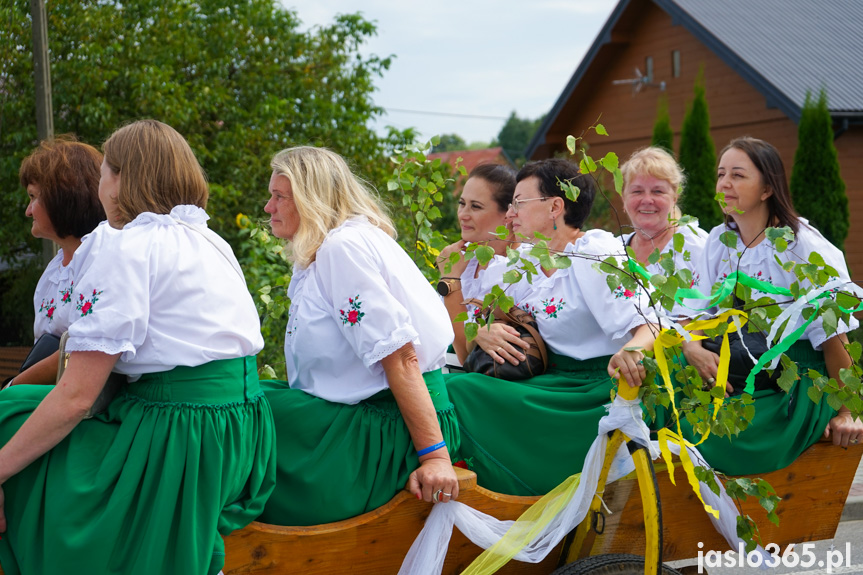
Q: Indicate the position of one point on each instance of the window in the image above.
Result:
(648, 67)
(675, 63)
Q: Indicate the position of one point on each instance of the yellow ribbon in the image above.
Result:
(669, 338)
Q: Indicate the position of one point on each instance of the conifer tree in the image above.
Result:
(697, 157)
(817, 188)
(663, 135)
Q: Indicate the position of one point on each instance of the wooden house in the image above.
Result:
(760, 57)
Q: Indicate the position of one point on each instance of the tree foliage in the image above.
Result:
(663, 135)
(816, 184)
(450, 143)
(238, 78)
(697, 157)
(516, 135)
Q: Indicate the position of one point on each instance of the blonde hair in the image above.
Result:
(326, 194)
(655, 162)
(658, 163)
(157, 169)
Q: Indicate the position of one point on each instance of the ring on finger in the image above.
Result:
(853, 441)
(711, 380)
(436, 495)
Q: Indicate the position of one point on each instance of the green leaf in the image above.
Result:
(562, 262)
(392, 185)
(855, 349)
(470, 331)
(658, 280)
(511, 276)
(570, 144)
(600, 130)
(618, 181)
(484, 254)
(814, 394)
(815, 258)
(834, 402)
(830, 322)
(610, 161)
(728, 239)
(678, 242)
(462, 317)
(781, 245)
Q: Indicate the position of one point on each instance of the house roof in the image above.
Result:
(473, 158)
(781, 47)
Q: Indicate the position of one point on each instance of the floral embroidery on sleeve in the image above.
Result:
(85, 306)
(48, 307)
(66, 294)
(353, 316)
(621, 292)
(550, 307)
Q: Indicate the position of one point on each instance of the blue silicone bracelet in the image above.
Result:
(431, 448)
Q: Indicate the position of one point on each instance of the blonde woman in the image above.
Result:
(652, 183)
(184, 453)
(364, 412)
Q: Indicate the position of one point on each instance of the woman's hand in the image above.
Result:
(844, 429)
(629, 364)
(502, 343)
(434, 474)
(704, 360)
(457, 268)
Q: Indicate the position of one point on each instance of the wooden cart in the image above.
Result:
(813, 491)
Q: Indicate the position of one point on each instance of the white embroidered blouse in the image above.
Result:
(161, 295)
(718, 260)
(358, 302)
(577, 314)
(52, 300)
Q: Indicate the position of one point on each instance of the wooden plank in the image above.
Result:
(373, 543)
(11, 359)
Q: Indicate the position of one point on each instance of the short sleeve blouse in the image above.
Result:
(358, 302)
(161, 295)
(52, 300)
(577, 314)
(718, 260)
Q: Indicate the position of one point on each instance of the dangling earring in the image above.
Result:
(555, 223)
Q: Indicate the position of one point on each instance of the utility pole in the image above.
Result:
(42, 77)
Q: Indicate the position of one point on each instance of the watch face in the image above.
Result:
(443, 288)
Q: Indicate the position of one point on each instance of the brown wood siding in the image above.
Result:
(736, 107)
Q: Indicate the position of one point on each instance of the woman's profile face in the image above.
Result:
(284, 218)
(648, 201)
(42, 226)
(478, 213)
(741, 183)
(109, 187)
(530, 211)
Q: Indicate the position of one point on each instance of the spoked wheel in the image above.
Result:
(610, 564)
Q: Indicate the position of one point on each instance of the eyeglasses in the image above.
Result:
(515, 206)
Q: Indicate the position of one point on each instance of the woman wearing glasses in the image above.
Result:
(592, 334)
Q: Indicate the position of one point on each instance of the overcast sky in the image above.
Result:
(472, 57)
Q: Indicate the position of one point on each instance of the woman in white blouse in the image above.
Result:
(184, 453)
(62, 181)
(482, 208)
(752, 179)
(364, 412)
(526, 437)
(652, 183)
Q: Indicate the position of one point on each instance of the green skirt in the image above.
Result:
(526, 437)
(179, 459)
(785, 424)
(337, 461)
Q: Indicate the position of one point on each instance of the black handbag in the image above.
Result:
(740, 364)
(45, 346)
(536, 357)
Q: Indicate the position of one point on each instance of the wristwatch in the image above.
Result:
(447, 286)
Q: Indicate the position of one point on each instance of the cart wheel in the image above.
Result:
(610, 564)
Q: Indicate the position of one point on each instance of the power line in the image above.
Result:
(427, 113)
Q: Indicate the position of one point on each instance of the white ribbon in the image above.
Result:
(427, 554)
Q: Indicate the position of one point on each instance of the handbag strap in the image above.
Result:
(515, 316)
(518, 317)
